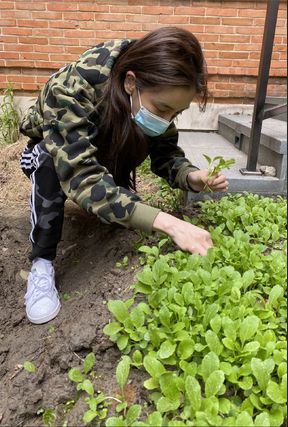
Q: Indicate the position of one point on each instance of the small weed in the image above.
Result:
(9, 117)
(123, 263)
(51, 329)
(29, 367)
(65, 296)
(48, 416)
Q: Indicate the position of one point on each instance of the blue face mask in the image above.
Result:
(150, 124)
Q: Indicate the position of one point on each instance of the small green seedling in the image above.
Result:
(48, 416)
(29, 367)
(123, 263)
(214, 167)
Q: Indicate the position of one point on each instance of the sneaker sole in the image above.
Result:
(45, 319)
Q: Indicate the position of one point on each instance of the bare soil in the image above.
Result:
(86, 277)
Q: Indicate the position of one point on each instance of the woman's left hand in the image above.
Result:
(199, 180)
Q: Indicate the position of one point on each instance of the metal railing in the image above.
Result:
(259, 114)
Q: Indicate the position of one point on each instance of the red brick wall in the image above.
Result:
(38, 37)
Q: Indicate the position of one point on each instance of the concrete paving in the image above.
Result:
(195, 144)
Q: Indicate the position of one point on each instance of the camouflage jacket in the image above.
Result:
(60, 117)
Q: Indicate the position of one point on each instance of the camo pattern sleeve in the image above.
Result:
(168, 160)
(67, 104)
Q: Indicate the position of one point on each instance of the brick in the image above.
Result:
(236, 55)
(126, 9)
(188, 10)
(74, 49)
(259, 22)
(62, 5)
(41, 79)
(21, 47)
(221, 62)
(32, 23)
(282, 31)
(211, 54)
(23, 79)
(19, 64)
(208, 37)
(63, 41)
(150, 27)
(30, 5)
(157, 10)
(222, 11)
(218, 46)
(218, 29)
(249, 31)
(33, 40)
(278, 73)
(124, 26)
(8, 22)
(237, 21)
(204, 20)
(111, 17)
(278, 64)
(85, 16)
(49, 48)
(9, 55)
(249, 47)
(88, 25)
(252, 13)
(34, 56)
(64, 57)
(17, 31)
(236, 38)
(6, 5)
(243, 62)
(48, 32)
(16, 14)
(142, 18)
(144, 2)
(8, 39)
(29, 86)
(63, 24)
(15, 86)
(46, 15)
(136, 34)
(195, 29)
(92, 7)
(173, 19)
(78, 33)
(49, 64)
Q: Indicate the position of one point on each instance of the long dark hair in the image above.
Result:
(168, 56)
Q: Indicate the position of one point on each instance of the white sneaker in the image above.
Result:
(41, 300)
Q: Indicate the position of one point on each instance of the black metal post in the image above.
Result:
(262, 82)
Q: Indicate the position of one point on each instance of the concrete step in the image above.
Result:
(195, 144)
(273, 141)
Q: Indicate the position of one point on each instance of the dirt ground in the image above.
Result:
(86, 277)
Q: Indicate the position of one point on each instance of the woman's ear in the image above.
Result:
(130, 82)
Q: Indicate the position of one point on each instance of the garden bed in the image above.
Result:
(97, 264)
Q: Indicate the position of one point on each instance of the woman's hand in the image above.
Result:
(187, 236)
(199, 181)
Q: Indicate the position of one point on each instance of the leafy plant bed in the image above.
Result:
(210, 331)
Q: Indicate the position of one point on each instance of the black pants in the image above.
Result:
(47, 201)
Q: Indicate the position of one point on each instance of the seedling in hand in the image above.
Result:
(214, 168)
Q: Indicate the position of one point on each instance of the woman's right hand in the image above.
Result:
(187, 236)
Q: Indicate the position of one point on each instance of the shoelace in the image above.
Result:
(41, 286)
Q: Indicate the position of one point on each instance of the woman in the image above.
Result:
(94, 122)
